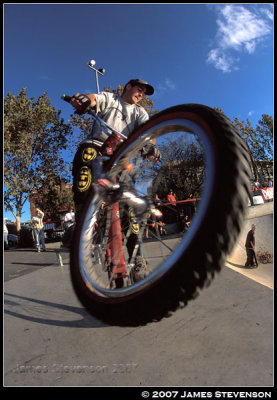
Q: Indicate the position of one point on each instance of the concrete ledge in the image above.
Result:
(259, 210)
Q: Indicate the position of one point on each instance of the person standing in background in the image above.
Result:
(6, 232)
(250, 248)
(69, 218)
(38, 230)
(171, 198)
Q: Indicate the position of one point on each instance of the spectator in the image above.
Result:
(69, 218)
(150, 224)
(186, 222)
(250, 247)
(38, 230)
(171, 198)
(189, 208)
(257, 184)
(157, 201)
(269, 184)
(161, 227)
(6, 241)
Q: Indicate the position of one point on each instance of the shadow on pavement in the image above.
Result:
(34, 264)
(240, 266)
(29, 306)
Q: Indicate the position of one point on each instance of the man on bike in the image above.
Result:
(122, 113)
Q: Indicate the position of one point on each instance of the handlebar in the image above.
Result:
(66, 98)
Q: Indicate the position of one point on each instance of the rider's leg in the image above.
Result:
(134, 229)
(82, 175)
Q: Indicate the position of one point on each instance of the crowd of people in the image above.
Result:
(171, 214)
(257, 185)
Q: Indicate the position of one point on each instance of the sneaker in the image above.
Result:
(140, 270)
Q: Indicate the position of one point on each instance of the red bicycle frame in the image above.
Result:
(114, 249)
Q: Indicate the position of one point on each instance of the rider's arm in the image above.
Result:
(40, 212)
(92, 99)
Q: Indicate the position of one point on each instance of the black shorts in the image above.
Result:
(82, 171)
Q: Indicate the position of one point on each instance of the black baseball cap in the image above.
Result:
(149, 88)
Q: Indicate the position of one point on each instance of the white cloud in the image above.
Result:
(164, 87)
(239, 29)
(268, 13)
(219, 59)
(167, 84)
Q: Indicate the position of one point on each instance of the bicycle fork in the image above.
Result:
(115, 253)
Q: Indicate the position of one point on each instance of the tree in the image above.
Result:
(51, 196)
(259, 141)
(182, 169)
(34, 137)
(264, 130)
(248, 134)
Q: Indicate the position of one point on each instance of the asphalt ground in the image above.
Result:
(19, 262)
(222, 338)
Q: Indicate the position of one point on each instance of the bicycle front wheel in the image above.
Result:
(130, 267)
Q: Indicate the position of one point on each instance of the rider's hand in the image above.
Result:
(80, 102)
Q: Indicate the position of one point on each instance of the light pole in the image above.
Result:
(100, 71)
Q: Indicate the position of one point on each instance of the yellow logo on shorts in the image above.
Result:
(88, 154)
(84, 179)
(133, 222)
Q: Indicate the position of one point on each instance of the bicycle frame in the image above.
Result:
(115, 254)
(114, 249)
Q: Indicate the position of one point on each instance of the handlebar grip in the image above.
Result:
(66, 98)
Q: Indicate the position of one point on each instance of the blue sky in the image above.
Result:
(220, 55)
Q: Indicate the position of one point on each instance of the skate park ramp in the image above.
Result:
(262, 216)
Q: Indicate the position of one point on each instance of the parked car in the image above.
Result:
(54, 235)
(26, 237)
(12, 240)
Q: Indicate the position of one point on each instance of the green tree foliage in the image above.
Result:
(51, 197)
(264, 131)
(34, 137)
(182, 169)
(259, 141)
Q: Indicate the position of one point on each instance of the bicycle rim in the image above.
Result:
(161, 253)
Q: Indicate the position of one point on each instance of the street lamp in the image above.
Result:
(100, 71)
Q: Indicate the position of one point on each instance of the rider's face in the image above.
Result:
(134, 94)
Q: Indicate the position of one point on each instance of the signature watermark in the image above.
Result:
(116, 368)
